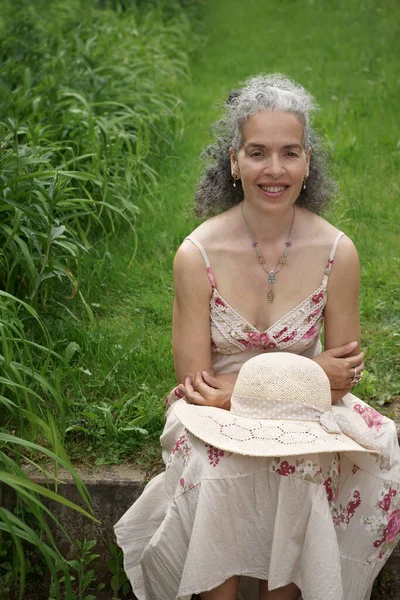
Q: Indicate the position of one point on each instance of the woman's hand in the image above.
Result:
(340, 367)
(337, 395)
(208, 390)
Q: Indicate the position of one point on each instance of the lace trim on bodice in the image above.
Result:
(231, 333)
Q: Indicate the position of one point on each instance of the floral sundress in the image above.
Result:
(327, 522)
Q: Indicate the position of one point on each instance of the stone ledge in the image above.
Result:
(113, 489)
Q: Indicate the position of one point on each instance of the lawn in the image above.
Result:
(346, 55)
(104, 114)
(140, 154)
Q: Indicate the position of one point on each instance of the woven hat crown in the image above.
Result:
(280, 406)
(282, 377)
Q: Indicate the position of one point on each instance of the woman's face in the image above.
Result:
(272, 161)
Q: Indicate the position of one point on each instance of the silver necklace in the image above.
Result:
(282, 260)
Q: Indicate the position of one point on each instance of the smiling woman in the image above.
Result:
(272, 158)
(298, 515)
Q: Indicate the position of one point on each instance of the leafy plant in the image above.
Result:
(119, 580)
(28, 433)
(84, 578)
(82, 118)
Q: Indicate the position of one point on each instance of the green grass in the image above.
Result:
(119, 340)
(88, 105)
(346, 55)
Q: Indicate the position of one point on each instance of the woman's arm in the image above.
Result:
(191, 338)
(341, 315)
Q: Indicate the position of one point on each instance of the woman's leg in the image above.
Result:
(287, 592)
(226, 591)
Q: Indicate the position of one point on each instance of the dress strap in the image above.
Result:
(210, 274)
(331, 258)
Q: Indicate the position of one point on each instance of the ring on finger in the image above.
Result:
(354, 378)
(357, 379)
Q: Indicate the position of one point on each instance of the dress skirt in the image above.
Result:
(327, 522)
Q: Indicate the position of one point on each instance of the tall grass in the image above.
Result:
(88, 107)
(28, 432)
(87, 104)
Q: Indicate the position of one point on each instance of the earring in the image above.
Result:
(235, 177)
(304, 182)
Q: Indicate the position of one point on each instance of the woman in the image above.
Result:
(261, 276)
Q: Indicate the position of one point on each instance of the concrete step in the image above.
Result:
(113, 490)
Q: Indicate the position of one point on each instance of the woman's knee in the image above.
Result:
(287, 592)
(226, 591)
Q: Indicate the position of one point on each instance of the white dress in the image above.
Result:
(327, 522)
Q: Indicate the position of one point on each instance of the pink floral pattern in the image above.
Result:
(211, 277)
(331, 482)
(254, 339)
(285, 469)
(220, 303)
(183, 449)
(310, 470)
(185, 487)
(231, 333)
(393, 527)
(318, 297)
(290, 337)
(386, 527)
(371, 416)
(173, 396)
(214, 455)
(328, 487)
(342, 515)
(315, 313)
(328, 266)
(310, 333)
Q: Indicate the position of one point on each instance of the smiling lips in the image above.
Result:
(273, 191)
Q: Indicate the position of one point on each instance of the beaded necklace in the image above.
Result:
(282, 260)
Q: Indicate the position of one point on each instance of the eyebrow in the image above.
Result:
(260, 145)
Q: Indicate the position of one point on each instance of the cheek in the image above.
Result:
(298, 171)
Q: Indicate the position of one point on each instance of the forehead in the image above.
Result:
(270, 127)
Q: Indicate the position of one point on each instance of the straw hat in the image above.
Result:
(280, 406)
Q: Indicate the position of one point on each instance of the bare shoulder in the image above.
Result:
(346, 259)
(323, 235)
(190, 274)
(187, 258)
(215, 229)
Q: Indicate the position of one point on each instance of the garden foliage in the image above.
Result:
(88, 104)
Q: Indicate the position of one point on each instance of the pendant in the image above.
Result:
(271, 296)
(271, 278)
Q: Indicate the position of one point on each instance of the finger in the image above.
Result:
(210, 380)
(207, 391)
(191, 395)
(196, 398)
(343, 350)
(358, 369)
(198, 381)
(356, 361)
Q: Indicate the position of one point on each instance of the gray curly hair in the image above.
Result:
(215, 191)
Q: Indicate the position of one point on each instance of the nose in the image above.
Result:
(273, 166)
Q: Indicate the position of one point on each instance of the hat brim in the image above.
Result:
(262, 437)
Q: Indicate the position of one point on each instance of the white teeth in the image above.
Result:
(272, 189)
